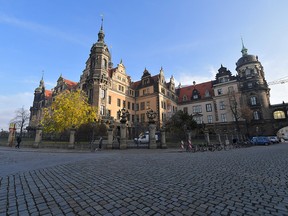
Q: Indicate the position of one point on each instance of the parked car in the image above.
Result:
(260, 140)
(273, 139)
(145, 138)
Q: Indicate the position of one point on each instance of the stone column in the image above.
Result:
(123, 141)
(72, 138)
(152, 140)
(38, 137)
(163, 139)
(110, 138)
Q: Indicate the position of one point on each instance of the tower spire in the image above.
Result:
(244, 49)
(101, 34)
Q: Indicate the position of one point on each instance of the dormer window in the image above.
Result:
(184, 98)
(207, 93)
(195, 94)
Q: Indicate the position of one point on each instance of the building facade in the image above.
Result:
(229, 103)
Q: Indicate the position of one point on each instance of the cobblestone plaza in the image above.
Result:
(245, 181)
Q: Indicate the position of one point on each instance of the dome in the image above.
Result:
(246, 59)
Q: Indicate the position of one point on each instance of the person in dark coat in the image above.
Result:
(18, 142)
(100, 142)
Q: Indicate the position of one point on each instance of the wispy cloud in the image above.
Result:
(36, 27)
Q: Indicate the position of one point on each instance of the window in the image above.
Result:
(118, 102)
(137, 107)
(163, 117)
(209, 119)
(143, 117)
(195, 96)
(109, 99)
(219, 91)
(137, 118)
(184, 98)
(253, 100)
(101, 110)
(142, 105)
(222, 105)
(207, 93)
(131, 92)
(132, 118)
(148, 104)
(128, 105)
(197, 109)
(185, 109)
(102, 92)
(132, 106)
(231, 89)
(124, 103)
(163, 91)
(198, 119)
(208, 107)
(250, 85)
(256, 115)
(279, 115)
(223, 117)
(109, 112)
(144, 91)
(164, 103)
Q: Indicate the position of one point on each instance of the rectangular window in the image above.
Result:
(124, 103)
(148, 104)
(185, 109)
(118, 102)
(231, 89)
(143, 117)
(223, 117)
(209, 119)
(144, 91)
(137, 107)
(197, 109)
(128, 105)
(109, 112)
(101, 110)
(109, 99)
(133, 118)
(132, 106)
(219, 91)
(208, 107)
(256, 115)
(137, 118)
(222, 105)
(142, 105)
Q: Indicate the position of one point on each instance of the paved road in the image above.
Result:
(248, 181)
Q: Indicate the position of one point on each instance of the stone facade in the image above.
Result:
(230, 102)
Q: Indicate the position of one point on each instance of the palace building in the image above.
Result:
(230, 102)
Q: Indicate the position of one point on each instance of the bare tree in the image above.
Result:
(235, 108)
(21, 119)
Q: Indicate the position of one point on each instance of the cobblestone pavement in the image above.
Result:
(247, 181)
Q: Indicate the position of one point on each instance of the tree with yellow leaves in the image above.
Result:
(68, 110)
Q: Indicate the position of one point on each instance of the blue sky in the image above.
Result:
(190, 39)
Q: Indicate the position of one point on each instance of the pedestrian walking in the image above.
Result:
(18, 142)
(100, 142)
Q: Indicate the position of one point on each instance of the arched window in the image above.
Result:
(279, 115)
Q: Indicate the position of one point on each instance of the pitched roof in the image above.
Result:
(201, 88)
(48, 93)
(70, 83)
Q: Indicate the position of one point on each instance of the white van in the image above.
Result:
(144, 138)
